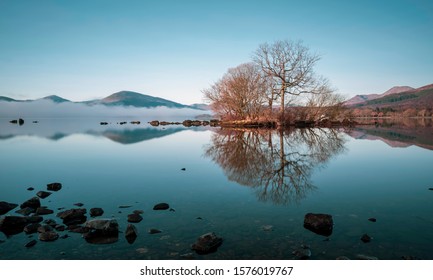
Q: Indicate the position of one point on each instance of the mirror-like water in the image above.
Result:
(252, 188)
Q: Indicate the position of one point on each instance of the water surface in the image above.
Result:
(252, 188)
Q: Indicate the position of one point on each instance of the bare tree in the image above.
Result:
(240, 94)
(291, 67)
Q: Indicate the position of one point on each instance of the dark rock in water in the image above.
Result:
(31, 228)
(44, 211)
(35, 121)
(13, 121)
(96, 212)
(20, 121)
(131, 233)
(33, 202)
(365, 238)
(430, 189)
(78, 229)
(135, 122)
(54, 187)
(207, 243)
(26, 211)
(134, 218)
(31, 189)
(154, 123)
(79, 204)
(31, 244)
(6, 207)
(43, 194)
(50, 222)
(60, 227)
(124, 206)
(138, 211)
(64, 236)
(103, 123)
(45, 228)
(154, 231)
(183, 169)
(73, 216)
(161, 206)
(372, 220)
(11, 225)
(48, 236)
(103, 231)
(321, 224)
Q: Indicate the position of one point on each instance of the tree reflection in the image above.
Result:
(276, 163)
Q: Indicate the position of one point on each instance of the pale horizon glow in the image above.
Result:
(82, 50)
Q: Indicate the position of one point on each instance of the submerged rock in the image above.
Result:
(73, 216)
(103, 231)
(96, 212)
(372, 220)
(43, 194)
(365, 238)
(302, 253)
(54, 187)
(48, 236)
(131, 233)
(365, 257)
(45, 228)
(267, 228)
(31, 244)
(207, 243)
(321, 224)
(154, 231)
(6, 207)
(79, 204)
(31, 189)
(44, 211)
(138, 211)
(33, 202)
(134, 218)
(26, 211)
(31, 228)
(161, 206)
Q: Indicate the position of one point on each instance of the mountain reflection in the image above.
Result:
(276, 164)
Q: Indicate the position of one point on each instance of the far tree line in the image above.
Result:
(279, 84)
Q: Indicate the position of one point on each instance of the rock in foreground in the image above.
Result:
(103, 231)
(321, 224)
(54, 187)
(207, 243)
(131, 233)
(73, 216)
(96, 212)
(6, 207)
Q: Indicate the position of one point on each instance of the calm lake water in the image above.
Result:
(252, 188)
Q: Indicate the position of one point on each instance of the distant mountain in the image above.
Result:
(7, 99)
(121, 98)
(55, 99)
(135, 99)
(395, 98)
(366, 97)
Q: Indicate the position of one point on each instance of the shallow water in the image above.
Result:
(236, 182)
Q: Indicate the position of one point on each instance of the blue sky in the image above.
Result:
(173, 49)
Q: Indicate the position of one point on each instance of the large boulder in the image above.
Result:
(6, 207)
(11, 225)
(73, 216)
(43, 194)
(96, 212)
(207, 243)
(321, 224)
(33, 202)
(102, 231)
(54, 186)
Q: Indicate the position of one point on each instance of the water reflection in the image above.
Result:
(277, 164)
